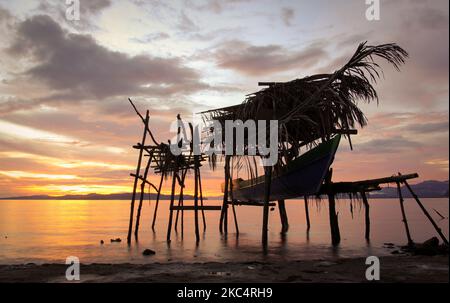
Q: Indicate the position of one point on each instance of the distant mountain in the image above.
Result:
(122, 196)
(425, 189)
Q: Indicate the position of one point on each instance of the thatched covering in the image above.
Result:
(315, 106)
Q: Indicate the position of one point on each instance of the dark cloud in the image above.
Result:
(387, 145)
(75, 67)
(258, 60)
(94, 6)
(428, 128)
(5, 15)
(287, 14)
(427, 18)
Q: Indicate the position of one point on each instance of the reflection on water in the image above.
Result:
(49, 231)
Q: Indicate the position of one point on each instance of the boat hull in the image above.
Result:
(304, 177)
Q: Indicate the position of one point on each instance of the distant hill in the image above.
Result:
(425, 189)
(121, 196)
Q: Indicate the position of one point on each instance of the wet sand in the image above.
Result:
(403, 269)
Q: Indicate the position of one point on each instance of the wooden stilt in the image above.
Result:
(267, 183)
(236, 226)
(201, 200)
(308, 223)
(283, 216)
(404, 220)
(180, 199)
(138, 168)
(158, 195)
(367, 214)
(197, 232)
(141, 197)
(172, 198)
(182, 218)
(334, 225)
(436, 227)
(223, 225)
(177, 214)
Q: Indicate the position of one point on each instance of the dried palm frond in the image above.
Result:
(314, 107)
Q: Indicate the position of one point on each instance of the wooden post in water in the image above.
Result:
(158, 195)
(436, 227)
(136, 178)
(180, 200)
(334, 225)
(141, 197)
(223, 224)
(236, 226)
(267, 183)
(283, 216)
(367, 214)
(308, 223)
(402, 208)
(172, 198)
(201, 200)
(196, 169)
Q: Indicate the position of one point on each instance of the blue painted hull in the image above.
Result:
(304, 179)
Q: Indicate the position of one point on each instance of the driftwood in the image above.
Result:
(436, 227)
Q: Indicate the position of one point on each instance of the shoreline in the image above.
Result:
(393, 269)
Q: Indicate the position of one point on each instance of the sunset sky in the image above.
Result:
(66, 126)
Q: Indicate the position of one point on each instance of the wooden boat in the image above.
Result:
(302, 176)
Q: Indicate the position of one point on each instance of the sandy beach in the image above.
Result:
(394, 269)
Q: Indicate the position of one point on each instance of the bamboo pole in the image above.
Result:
(308, 223)
(223, 217)
(201, 200)
(136, 178)
(267, 183)
(236, 226)
(197, 233)
(367, 214)
(436, 227)
(172, 197)
(147, 129)
(158, 195)
(402, 208)
(180, 198)
(141, 197)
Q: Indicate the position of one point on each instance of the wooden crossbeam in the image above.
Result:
(192, 207)
(364, 185)
(246, 203)
(145, 180)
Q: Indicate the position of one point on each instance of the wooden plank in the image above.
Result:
(364, 185)
(244, 203)
(268, 83)
(192, 207)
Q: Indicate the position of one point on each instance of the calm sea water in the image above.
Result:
(50, 231)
